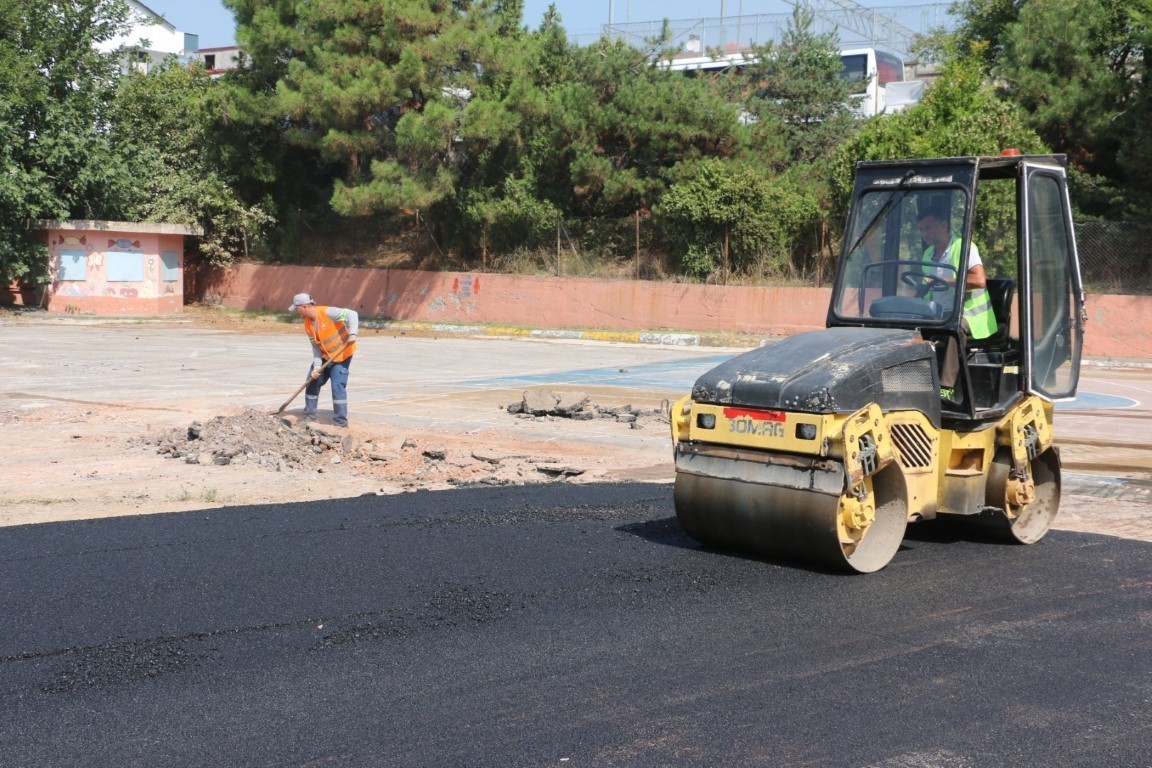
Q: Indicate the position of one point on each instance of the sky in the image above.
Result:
(582, 19)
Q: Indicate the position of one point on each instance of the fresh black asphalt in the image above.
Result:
(557, 625)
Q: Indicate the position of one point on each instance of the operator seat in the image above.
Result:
(994, 384)
(1001, 292)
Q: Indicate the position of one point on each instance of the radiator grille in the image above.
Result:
(913, 445)
(915, 376)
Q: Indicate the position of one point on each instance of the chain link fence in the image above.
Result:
(893, 28)
(1115, 256)
(638, 247)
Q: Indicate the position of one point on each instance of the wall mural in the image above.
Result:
(466, 286)
(126, 268)
(75, 290)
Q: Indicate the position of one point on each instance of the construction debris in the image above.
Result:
(545, 404)
(285, 444)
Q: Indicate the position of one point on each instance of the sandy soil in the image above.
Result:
(84, 461)
(92, 461)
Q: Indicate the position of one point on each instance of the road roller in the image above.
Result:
(955, 324)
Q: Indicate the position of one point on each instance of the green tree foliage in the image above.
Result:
(619, 124)
(248, 138)
(496, 203)
(392, 90)
(55, 156)
(727, 205)
(1080, 71)
(494, 133)
(983, 24)
(1063, 64)
(799, 100)
(162, 133)
(598, 131)
(1134, 156)
(86, 137)
(960, 115)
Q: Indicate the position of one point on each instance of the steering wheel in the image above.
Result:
(923, 282)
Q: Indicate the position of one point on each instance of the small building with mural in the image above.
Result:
(115, 267)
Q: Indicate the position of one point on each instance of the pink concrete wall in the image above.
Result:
(1118, 325)
(535, 302)
(101, 290)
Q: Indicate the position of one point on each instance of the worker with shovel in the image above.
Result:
(332, 331)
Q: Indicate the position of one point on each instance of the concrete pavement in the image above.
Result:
(459, 379)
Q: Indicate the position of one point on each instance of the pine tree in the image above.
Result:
(800, 101)
(398, 92)
(1080, 71)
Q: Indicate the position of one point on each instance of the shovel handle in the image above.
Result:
(307, 381)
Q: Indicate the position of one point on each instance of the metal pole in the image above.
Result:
(637, 243)
(723, 35)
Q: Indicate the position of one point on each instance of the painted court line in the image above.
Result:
(681, 375)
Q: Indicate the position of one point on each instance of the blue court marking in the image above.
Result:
(674, 375)
(1090, 401)
(681, 375)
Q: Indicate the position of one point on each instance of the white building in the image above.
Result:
(217, 61)
(156, 38)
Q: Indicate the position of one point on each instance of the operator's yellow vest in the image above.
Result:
(977, 303)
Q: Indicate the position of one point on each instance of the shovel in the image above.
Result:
(307, 381)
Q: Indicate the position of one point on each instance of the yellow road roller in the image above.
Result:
(956, 322)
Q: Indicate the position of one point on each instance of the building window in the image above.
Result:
(71, 265)
(123, 267)
(170, 266)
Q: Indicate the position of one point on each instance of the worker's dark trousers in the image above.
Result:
(337, 373)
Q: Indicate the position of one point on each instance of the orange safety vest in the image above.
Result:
(330, 335)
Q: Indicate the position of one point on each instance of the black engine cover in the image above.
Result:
(836, 370)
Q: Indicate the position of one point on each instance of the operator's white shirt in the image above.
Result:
(973, 258)
(946, 272)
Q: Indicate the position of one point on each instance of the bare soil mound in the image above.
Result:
(268, 442)
(251, 437)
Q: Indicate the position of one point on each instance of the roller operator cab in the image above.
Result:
(824, 446)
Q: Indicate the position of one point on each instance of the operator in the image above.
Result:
(979, 321)
(332, 331)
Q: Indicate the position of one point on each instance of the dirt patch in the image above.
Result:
(284, 444)
(70, 462)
